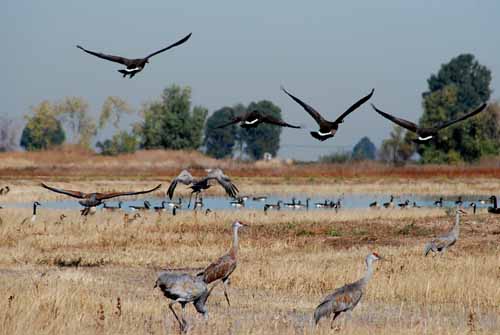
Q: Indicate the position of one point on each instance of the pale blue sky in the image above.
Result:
(329, 53)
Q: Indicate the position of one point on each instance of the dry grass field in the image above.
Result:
(95, 275)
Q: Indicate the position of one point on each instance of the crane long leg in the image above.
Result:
(183, 318)
(225, 291)
(175, 314)
(333, 319)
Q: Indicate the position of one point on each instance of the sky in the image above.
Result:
(329, 53)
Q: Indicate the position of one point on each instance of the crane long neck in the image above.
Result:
(456, 227)
(234, 249)
(368, 274)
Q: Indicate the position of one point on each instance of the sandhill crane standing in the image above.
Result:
(345, 298)
(440, 244)
(225, 265)
(184, 288)
(198, 185)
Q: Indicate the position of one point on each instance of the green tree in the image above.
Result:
(113, 109)
(121, 143)
(460, 86)
(364, 150)
(170, 123)
(265, 137)
(396, 149)
(43, 129)
(74, 113)
(219, 143)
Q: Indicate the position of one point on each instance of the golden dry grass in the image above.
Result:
(67, 277)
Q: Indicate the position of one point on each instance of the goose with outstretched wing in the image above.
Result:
(327, 129)
(427, 133)
(133, 66)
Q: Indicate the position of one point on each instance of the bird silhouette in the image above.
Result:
(136, 65)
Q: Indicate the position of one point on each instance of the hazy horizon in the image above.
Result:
(328, 54)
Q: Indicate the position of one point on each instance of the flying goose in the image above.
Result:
(133, 65)
(327, 128)
(254, 118)
(94, 199)
(198, 185)
(425, 134)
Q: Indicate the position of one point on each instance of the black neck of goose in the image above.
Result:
(34, 208)
(494, 201)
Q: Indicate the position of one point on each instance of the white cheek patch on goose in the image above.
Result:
(251, 122)
(324, 134)
(133, 70)
(425, 138)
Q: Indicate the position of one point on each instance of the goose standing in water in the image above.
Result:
(426, 134)
(439, 203)
(276, 206)
(474, 207)
(459, 201)
(442, 243)
(162, 208)
(404, 204)
(390, 204)
(136, 65)
(177, 204)
(145, 207)
(494, 209)
(112, 208)
(327, 129)
(35, 205)
(374, 205)
(238, 202)
(260, 198)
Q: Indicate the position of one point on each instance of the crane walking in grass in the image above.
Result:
(183, 288)
(225, 265)
(442, 243)
(345, 298)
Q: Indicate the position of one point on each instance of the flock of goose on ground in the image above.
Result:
(185, 288)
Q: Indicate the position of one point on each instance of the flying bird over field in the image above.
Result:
(254, 118)
(94, 199)
(426, 134)
(198, 185)
(327, 128)
(133, 65)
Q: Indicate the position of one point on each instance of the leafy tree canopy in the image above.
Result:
(43, 129)
(219, 143)
(364, 150)
(170, 123)
(121, 143)
(460, 86)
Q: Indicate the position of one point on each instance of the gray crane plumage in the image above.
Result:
(346, 297)
(440, 244)
(184, 288)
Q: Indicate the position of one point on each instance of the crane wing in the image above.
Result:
(221, 268)
(400, 122)
(103, 196)
(74, 194)
(315, 115)
(184, 177)
(466, 116)
(224, 181)
(355, 106)
(179, 42)
(116, 59)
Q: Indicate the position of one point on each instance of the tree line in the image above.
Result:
(171, 122)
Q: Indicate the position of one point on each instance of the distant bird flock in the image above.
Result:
(184, 288)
